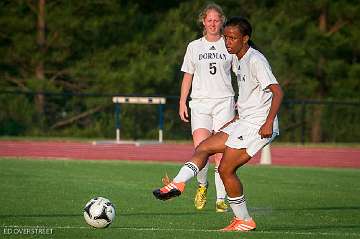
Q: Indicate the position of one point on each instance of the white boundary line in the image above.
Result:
(343, 234)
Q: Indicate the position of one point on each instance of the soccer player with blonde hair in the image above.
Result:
(207, 69)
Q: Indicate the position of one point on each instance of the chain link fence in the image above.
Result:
(93, 116)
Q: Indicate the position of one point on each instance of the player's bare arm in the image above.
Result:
(266, 129)
(185, 88)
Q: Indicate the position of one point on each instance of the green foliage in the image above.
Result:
(137, 47)
(16, 122)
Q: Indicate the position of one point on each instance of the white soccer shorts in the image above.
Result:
(244, 136)
(211, 114)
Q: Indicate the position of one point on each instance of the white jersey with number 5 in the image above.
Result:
(210, 64)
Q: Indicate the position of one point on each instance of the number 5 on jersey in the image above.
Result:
(212, 67)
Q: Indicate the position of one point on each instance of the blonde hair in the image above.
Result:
(216, 8)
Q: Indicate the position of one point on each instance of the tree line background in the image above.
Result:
(61, 61)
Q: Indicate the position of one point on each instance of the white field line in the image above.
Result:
(343, 234)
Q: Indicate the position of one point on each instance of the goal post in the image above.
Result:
(118, 100)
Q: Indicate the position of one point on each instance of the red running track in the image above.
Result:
(286, 156)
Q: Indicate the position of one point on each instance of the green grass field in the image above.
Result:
(285, 202)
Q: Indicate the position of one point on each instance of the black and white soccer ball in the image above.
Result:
(99, 212)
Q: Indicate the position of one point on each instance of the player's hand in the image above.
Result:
(266, 130)
(183, 112)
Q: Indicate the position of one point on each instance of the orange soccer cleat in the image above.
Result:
(169, 191)
(241, 225)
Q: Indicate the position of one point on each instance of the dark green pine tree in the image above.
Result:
(312, 47)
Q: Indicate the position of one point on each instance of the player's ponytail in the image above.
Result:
(252, 44)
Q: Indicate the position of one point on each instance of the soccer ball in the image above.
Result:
(99, 212)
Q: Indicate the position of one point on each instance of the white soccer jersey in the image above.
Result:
(210, 64)
(254, 75)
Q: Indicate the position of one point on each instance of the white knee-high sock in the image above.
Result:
(219, 185)
(202, 175)
(238, 205)
(188, 171)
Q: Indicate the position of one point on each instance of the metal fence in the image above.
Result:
(93, 116)
(325, 121)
